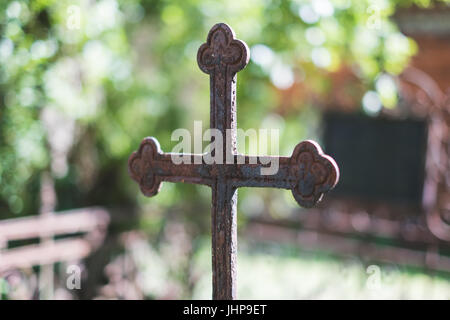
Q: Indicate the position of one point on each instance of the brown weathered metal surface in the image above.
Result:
(308, 173)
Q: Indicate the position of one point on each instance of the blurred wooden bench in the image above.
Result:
(85, 230)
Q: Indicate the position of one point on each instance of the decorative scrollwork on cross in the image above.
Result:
(317, 173)
(222, 50)
(141, 166)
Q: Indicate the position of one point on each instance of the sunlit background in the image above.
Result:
(83, 82)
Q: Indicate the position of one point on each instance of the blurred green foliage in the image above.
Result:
(82, 82)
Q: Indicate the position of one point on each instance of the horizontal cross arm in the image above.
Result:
(149, 167)
(261, 171)
(308, 173)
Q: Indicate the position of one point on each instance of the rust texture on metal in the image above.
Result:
(308, 173)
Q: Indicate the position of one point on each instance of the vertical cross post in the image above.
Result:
(222, 56)
(308, 173)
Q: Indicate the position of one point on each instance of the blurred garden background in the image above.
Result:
(83, 82)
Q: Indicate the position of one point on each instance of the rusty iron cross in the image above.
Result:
(309, 173)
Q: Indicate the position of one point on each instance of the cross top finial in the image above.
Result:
(222, 50)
